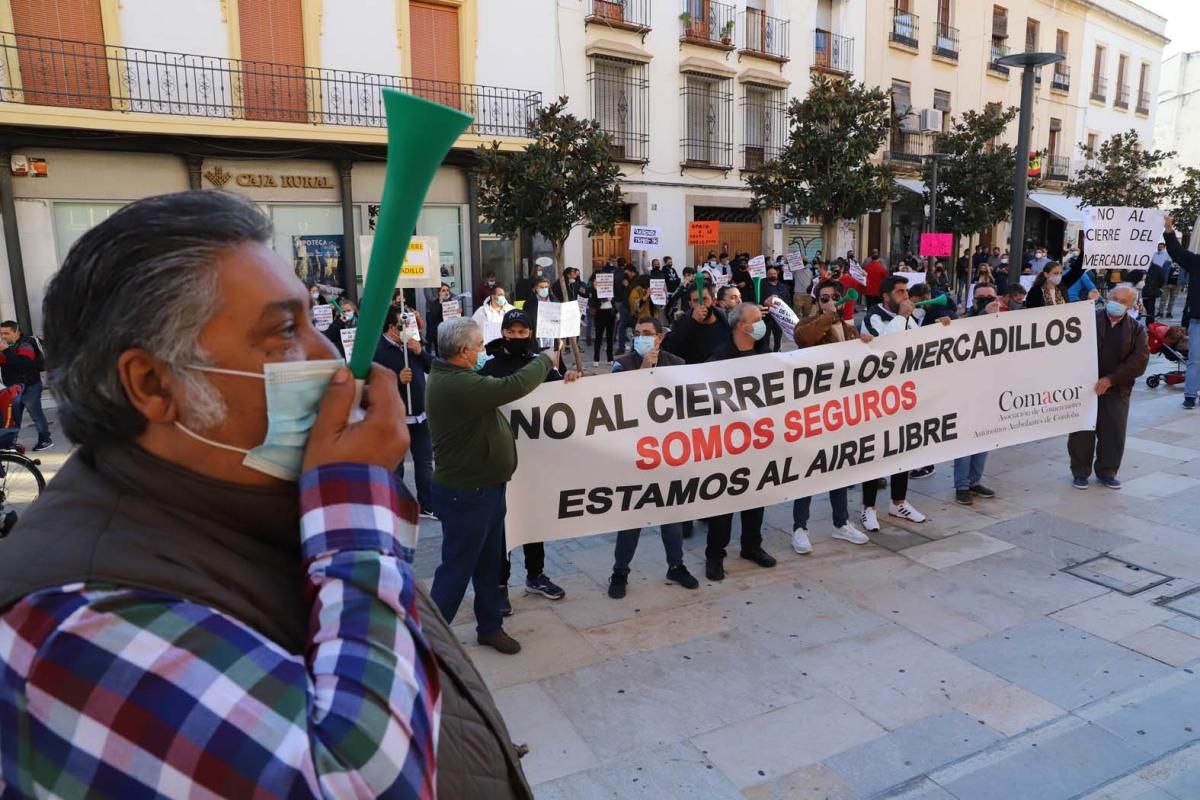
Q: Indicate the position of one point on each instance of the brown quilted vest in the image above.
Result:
(124, 517)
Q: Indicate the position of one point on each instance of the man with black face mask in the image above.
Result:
(672, 276)
(696, 336)
(515, 348)
(411, 371)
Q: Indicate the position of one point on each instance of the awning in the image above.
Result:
(912, 184)
(1060, 205)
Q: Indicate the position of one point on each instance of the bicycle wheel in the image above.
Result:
(20, 482)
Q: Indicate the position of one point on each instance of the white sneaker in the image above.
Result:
(800, 542)
(869, 520)
(906, 511)
(851, 534)
(595, 365)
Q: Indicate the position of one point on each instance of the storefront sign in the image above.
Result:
(219, 176)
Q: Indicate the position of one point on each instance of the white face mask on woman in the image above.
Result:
(1054, 279)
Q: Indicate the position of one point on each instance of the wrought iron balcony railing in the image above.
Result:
(1122, 99)
(1061, 81)
(631, 15)
(765, 36)
(1058, 168)
(833, 53)
(1099, 89)
(36, 70)
(998, 52)
(908, 147)
(1143, 104)
(946, 42)
(708, 23)
(905, 28)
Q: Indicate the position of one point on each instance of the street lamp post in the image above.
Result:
(936, 158)
(1028, 63)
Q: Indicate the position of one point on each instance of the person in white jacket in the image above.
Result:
(490, 315)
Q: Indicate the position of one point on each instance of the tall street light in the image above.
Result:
(936, 158)
(1028, 62)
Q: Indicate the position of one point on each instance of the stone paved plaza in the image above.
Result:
(953, 659)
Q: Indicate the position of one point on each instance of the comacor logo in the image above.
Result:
(1010, 401)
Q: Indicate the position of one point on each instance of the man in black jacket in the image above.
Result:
(410, 370)
(515, 348)
(21, 362)
(695, 337)
(670, 274)
(1189, 265)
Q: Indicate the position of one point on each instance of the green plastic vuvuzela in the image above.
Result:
(420, 134)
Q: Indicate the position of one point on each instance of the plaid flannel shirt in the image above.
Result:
(112, 692)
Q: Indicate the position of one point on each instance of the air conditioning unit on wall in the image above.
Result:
(910, 123)
(931, 120)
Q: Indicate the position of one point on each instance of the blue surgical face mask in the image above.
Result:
(481, 359)
(643, 344)
(543, 292)
(294, 390)
(758, 330)
(501, 301)
(1115, 310)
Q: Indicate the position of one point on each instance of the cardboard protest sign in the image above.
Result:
(557, 320)
(644, 237)
(782, 313)
(583, 305)
(658, 291)
(720, 279)
(937, 245)
(757, 267)
(649, 447)
(792, 262)
(451, 309)
(603, 282)
(348, 335)
(1121, 238)
(323, 317)
(704, 233)
(410, 331)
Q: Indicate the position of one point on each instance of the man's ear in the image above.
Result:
(150, 385)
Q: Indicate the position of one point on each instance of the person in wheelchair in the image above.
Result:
(10, 417)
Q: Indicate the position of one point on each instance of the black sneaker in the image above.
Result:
(545, 587)
(923, 472)
(679, 574)
(1189, 403)
(982, 491)
(505, 606)
(44, 444)
(964, 497)
(616, 586)
(500, 641)
(759, 556)
(714, 570)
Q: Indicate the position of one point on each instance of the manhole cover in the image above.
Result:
(1118, 575)
(1185, 603)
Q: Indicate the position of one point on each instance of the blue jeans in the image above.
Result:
(421, 447)
(31, 398)
(472, 550)
(1191, 384)
(837, 499)
(627, 542)
(968, 471)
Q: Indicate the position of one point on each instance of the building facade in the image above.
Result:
(1178, 114)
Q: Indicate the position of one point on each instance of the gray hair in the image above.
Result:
(1124, 287)
(143, 278)
(455, 334)
(738, 313)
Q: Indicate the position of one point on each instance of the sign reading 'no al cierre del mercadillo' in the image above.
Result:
(665, 445)
(1119, 237)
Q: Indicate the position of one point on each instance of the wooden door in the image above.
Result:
(436, 66)
(273, 78)
(611, 244)
(742, 237)
(60, 47)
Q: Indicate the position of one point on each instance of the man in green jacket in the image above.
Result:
(474, 455)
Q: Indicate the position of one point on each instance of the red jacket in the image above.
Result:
(876, 272)
(848, 283)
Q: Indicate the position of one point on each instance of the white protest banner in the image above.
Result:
(603, 281)
(644, 237)
(913, 277)
(660, 445)
(792, 262)
(420, 268)
(557, 320)
(858, 273)
(410, 329)
(1026, 281)
(658, 291)
(583, 306)
(451, 309)
(323, 317)
(720, 279)
(783, 314)
(348, 341)
(1121, 238)
(758, 267)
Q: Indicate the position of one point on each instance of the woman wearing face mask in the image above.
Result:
(435, 315)
(1051, 285)
(491, 314)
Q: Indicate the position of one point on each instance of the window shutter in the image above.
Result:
(1000, 22)
(941, 100)
(1055, 124)
(272, 42)
(901, 98)
(435, 60)
(60, 47)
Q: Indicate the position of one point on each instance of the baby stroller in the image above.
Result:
(1172, 343)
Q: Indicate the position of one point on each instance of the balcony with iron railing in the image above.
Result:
(908, 147)
(945, 43)
(1058, 168)
(833, 53)
(1122, 98)
(713, 26)
(906, 29)
(998, 51)
(43, 71)
(1143, 104)
(1099, 89)
(629, 15)
(765, 37)
(1061, 78)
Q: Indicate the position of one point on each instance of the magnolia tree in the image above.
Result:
(1123, 173)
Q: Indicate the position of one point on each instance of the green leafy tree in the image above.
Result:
(1187, 202)
(1123, 173)
(826, 169)
(564, 178)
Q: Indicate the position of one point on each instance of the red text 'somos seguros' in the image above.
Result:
(709, 442)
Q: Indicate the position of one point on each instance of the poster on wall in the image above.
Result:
(317, 259)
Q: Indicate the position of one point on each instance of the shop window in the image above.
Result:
(311, 238)
(73, 220)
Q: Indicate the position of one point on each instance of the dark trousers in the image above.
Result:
(421, 448)
(899, 483)
(535, 562)
(720, 530)
(1150, 301)
(837, 499)
(627, 542)
(624, 323)
(1106, 444)
(606, 320)
(774, 334)
(472, 551)
(31, 399)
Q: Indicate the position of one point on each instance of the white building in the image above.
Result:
(1178, 116)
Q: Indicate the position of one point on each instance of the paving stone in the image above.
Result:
(1038, 533)
(1176, 562)
(910, 751)
(1158, 485)
(1010, 709)
(1061, 663)
(1164, 644)
(956, 550)
(922, 616)
(676, 770)
(1130, 787)
(774, 744)
(920, 789)
(1057, 761)
(534, 719)
(1157, 717)
(1177, 774)
(1113, 616)
(814, 782)
(1141, 444)
(548, 647)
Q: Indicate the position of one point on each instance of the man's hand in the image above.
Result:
(406, 375)
(906, 308)
(3, 345)
(700, 313)
(1093, 294)
(572, 376)
(946, 320)
(650, 360)
(1103, 385)
(380, 439)
(415, 346)
(866, 338)
(1169, 227)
